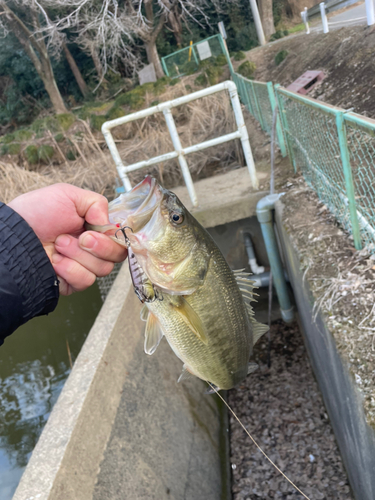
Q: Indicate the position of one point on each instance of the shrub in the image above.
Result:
(174, 82)
(8, 138)
(134, 98)
(65, 120)
(23, 135)
(247, 69)
(286, 32)
(155, 103)
(31, 154)
(70, 155)
(280, 56)
(96, 122)
(188, 88)
(114, 112)
(4, 149)
(201, 80)
(221, 60)
(213, 74)
(14, 148)
(277, 35)
(45, 153)
(239, 56)
(59, 137)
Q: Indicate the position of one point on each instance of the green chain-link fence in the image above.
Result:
(186, 60)
(334, 150)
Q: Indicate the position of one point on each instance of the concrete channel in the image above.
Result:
(123, 428)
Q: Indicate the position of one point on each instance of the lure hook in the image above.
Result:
(122, 229)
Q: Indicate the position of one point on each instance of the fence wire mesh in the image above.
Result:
(334, 150)
(187, 60)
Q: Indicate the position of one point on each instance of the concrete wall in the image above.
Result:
(123, 428)
(343, 400)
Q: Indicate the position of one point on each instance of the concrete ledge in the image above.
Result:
(343, 400)
(122, 426)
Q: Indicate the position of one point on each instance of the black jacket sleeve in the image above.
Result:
(28, 283)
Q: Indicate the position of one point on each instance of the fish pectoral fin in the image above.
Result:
(185, 375)
(252, 367)
(153, 334)
(191, 318)
(144, 313)
(258, 330)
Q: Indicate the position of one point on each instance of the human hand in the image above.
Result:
(57, 215)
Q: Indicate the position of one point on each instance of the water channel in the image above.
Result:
(34, 364)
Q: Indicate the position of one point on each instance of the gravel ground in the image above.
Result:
(283, 410)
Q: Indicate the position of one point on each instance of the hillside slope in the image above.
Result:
(346, 56)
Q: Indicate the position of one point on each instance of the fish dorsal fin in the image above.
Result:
(258, 330)
(185, 375)
(153, 334)
(144, 313)
(191, 318)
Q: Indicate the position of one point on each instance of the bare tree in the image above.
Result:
(34, 45)
(266, 15)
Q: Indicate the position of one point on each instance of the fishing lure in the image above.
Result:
(144, 289)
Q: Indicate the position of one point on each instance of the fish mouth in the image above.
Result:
(136, 207)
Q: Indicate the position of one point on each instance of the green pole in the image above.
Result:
(195, 55)
(279, 130)
(224, 48)
(350, 192)
(284, 123)
(257, 106)
(164, 66)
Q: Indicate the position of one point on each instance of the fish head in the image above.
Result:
(165, 238)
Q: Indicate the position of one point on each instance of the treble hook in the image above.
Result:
(122, 229)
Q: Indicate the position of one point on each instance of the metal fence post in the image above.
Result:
(226, 53)
(243, 93)
(284, 123)
(164, 66)
(350, 193)
(181, 157)
(324, 17)
(246, 90)
(370, 12)
(259, 113)
(279, 130)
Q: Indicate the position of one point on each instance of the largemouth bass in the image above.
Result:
(190, 294)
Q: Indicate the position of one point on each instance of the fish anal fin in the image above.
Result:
(144, 313)
(153, 334)
(185, 375)
(258, 330)
(252, 367)
(191, 319)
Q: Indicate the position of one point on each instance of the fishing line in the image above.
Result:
(256, 444)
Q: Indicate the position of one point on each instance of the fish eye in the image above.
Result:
(177, 218)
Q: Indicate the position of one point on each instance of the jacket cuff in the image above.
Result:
(27, 262)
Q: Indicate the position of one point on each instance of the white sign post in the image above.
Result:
(370, 14)
(324, 17)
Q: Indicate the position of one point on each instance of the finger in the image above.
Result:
(102, 246)
(76, 276)
(69, 247)
(64, 287)
(93, 207)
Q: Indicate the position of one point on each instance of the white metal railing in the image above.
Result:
(180, 152)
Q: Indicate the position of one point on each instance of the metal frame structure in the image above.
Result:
(180, 152)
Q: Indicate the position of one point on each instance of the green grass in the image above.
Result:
(297, 28)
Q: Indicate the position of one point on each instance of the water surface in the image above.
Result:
(34, 364)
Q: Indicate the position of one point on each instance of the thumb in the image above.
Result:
(93, 207)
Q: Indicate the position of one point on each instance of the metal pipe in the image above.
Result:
(370, 14)
(255, 269)
(257, 22)
(324, 17)
(265, 206)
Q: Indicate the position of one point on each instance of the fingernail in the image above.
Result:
(88, 241)
(57, 258)
(62, 241)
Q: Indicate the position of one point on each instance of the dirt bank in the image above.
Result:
(345, 56)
